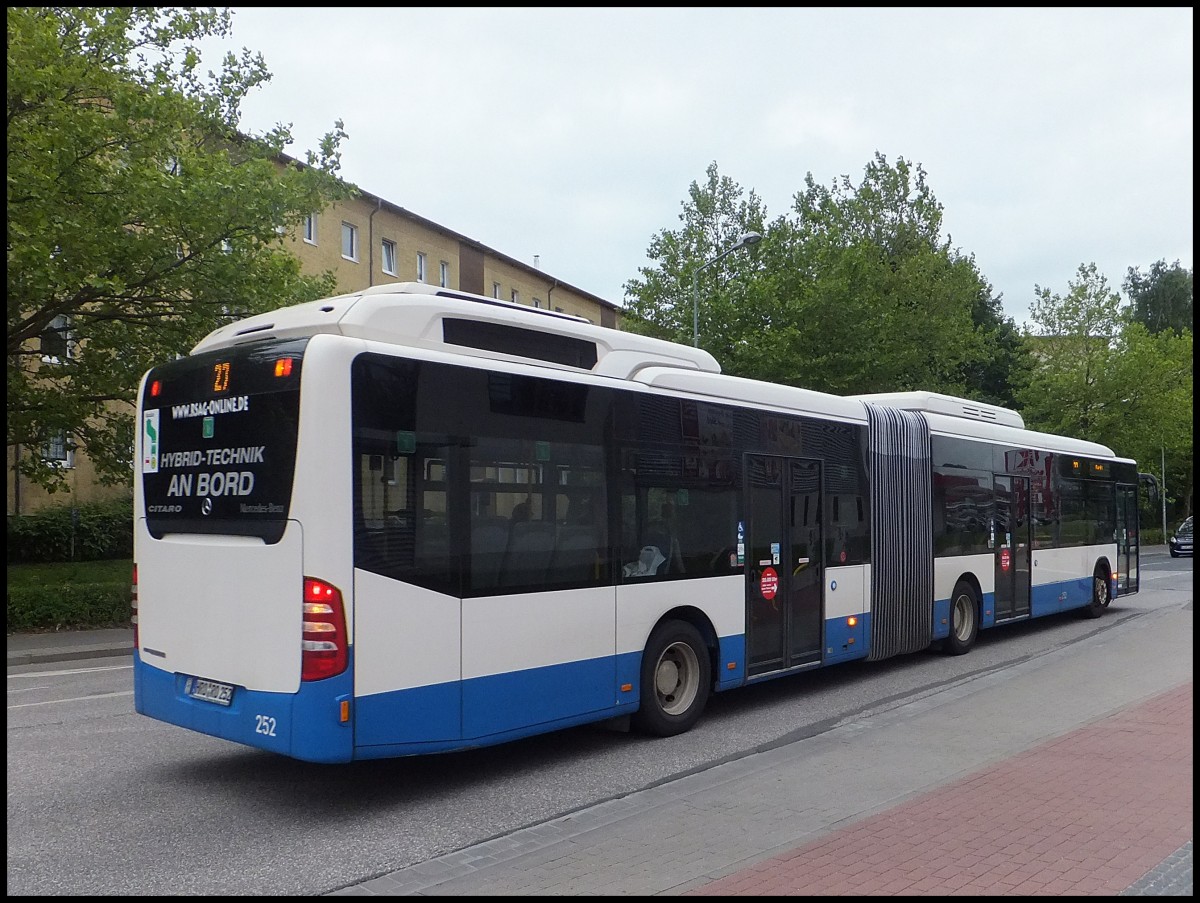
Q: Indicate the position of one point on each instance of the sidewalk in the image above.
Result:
(68, 645)
(1062, 775)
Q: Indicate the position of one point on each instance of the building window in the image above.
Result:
(495, 289)
(537, 303)
(310, 228)
(444, 276)
(516, 297)
(389, 257)
(56, 340)
(58, 450)
(420, 267)
(349, 241)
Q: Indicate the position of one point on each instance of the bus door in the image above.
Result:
(783, 540)
(1012, 531)
(1127, 539)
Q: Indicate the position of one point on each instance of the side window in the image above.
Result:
(538, 516)
(1044, 508)
(56, 340)
(1101, 507)
(458, 498)
(962, 511)
(401, 480)
(349, 241)
(676, 527)
(58, 451)
(1074, 529)
(679, 478)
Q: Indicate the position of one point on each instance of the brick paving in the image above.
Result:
(1062, 818)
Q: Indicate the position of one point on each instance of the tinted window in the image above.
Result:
(502, 489)
(962, 511)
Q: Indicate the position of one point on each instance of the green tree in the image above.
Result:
(713, 216)
(139, 216)
(1162, 298)
(1152, 419)
(1104, 377)
(1074, 339)
(853, 291)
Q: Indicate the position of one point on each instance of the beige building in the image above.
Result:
(369, 241)
(364, 241)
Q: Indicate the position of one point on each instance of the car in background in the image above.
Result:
(1181, 539)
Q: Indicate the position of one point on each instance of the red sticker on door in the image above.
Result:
(769, 583)
(1004, 559)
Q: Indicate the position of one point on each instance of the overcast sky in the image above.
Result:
(1051, 137)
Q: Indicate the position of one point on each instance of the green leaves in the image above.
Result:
(1103, 376)
(853, 290)
(136, 210)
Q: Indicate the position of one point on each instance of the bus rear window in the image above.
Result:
(218, 441)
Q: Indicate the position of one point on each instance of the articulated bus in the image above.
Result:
(411, 520)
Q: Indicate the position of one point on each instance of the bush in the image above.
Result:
(90, 532)
(69, 595)
(81, 606)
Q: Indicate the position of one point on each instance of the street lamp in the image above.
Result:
(746, 240)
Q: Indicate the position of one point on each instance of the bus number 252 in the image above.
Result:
(265, 724)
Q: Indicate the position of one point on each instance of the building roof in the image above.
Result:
(384, 203)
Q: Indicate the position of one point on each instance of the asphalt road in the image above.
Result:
(104, 801)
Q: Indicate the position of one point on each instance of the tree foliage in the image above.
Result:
(853, 290)
(1162, 298)
(137, 210)
(713, 216)
(1103, 376)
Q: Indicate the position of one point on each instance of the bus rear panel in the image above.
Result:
(233, 638)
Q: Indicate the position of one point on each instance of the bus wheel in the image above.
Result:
(1101, 595)
(676, 680)
(964, 620)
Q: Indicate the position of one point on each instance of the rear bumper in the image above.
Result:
(304, 725)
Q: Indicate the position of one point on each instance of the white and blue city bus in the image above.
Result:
(410, 520)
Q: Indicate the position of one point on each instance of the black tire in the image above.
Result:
(1101, 594)
(964, 620)
(676, 680)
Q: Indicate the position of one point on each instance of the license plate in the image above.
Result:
(209, 691)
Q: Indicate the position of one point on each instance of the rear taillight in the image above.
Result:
(324, 643)
(133, 602)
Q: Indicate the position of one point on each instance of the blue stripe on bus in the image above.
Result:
(1061, 596)
(430, 719)
(305, 724)
(1047, 599)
